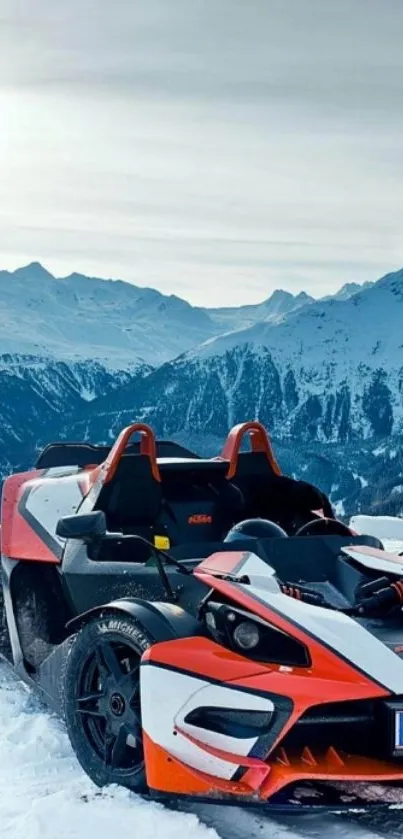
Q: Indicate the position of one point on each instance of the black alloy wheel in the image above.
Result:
(102, 700)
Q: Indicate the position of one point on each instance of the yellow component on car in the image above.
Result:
(162, 542)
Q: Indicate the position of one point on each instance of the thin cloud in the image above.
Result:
(205, 146)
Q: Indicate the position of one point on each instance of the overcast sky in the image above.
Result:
(216, 149)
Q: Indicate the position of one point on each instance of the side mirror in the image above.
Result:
(88, 526)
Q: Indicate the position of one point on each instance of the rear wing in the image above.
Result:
(86, 454)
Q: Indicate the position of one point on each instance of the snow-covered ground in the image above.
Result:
(387, 528)
(44, 794)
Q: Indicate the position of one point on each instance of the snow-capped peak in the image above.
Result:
(34, 272)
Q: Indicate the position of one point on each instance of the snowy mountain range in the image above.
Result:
(112, 322)
(82, 356)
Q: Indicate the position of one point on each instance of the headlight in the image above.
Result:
(251, 636)
(246, 635)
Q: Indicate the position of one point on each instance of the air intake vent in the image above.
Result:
(227, 721)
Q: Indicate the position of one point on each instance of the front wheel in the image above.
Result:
(102, 700)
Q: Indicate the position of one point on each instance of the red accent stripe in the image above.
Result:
(375, 552)
(238, 760)
(260, 442)
(19, 540)
(147, 447)
(222, 562)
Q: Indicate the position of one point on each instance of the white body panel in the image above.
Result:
(377, 563)
(51, 499)
(168, 696)
(339, 632)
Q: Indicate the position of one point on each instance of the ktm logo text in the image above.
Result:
(200, 518)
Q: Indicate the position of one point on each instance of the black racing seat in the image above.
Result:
(131, 492)
(288, 502)
(267, 493)
(132, 500)
(199, 505)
